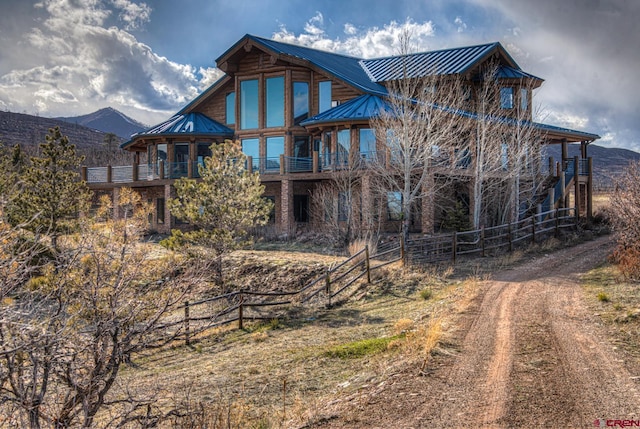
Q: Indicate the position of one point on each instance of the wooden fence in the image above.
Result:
(244, 305)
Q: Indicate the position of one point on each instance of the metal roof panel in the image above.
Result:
(188, 124)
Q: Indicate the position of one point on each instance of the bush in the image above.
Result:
(603, 297)
(625, 212)
(360, 348)
(426, 294)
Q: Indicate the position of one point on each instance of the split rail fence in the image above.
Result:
(245, 305)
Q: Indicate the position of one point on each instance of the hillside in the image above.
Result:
(108, 120)
(28, 130)
(607, 162)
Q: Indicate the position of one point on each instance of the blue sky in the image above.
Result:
(149, 59)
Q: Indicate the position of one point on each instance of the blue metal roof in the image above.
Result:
(443, 62)
(507, 72)
(555, 129)
(341, 66)
(360, 108)
(367, 106)
(193, 123)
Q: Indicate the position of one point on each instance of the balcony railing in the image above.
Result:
(279, 165)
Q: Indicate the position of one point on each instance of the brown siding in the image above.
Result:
(215, 106)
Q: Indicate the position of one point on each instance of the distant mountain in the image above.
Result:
(28, 130)
(108, 120)
(607, 162)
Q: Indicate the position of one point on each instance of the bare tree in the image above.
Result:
(505, 150)
(422, 122)
(625, 212)
(68, 331)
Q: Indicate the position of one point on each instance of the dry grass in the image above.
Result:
(280, 371)
(617, 302)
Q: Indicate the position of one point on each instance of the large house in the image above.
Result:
(296, 111)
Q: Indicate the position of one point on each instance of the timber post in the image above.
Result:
(327, 286)
(454, 246)
(187, 339)
(576, 184)
(240, 322)
(590, 190)
(367, 263)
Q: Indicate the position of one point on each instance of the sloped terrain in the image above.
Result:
(529, 354)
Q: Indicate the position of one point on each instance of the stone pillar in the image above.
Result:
(286, 207)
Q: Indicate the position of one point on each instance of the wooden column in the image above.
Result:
(576, 183)
(590, 190)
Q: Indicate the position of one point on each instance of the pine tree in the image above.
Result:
(221, 206)
(52, 194)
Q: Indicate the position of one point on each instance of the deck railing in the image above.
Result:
(284, 165)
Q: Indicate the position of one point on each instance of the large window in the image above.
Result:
(160, 210)
(344, 206)
(203, 151)
(275, 148)
(504, 156)
(249, 105)
(326, 148)
(230, 106)
(524, 99)
(506, 98)
(275, 101)
(181, 160)
(300, 101)
(394, 205)
(161, 150)
(324, 96)
(344, 145)
(251, 147)
(367, 139)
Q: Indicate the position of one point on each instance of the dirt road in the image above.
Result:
(531, 355)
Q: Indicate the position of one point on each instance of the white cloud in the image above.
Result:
(460, 23)
(369, 43)
(84, 65)
(132, 14)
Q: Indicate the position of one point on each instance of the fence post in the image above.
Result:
(240, 324)
(482, 241)
(557, 214)
(83, 173)
(454, 246)
(327, 285)
(368, 263)
(109, 174)
(533, 229)
(510, 237)
(403, 254)
(187, 340)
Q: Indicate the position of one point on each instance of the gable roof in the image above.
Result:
(442, 62)
(190, 124)
(343, 67)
